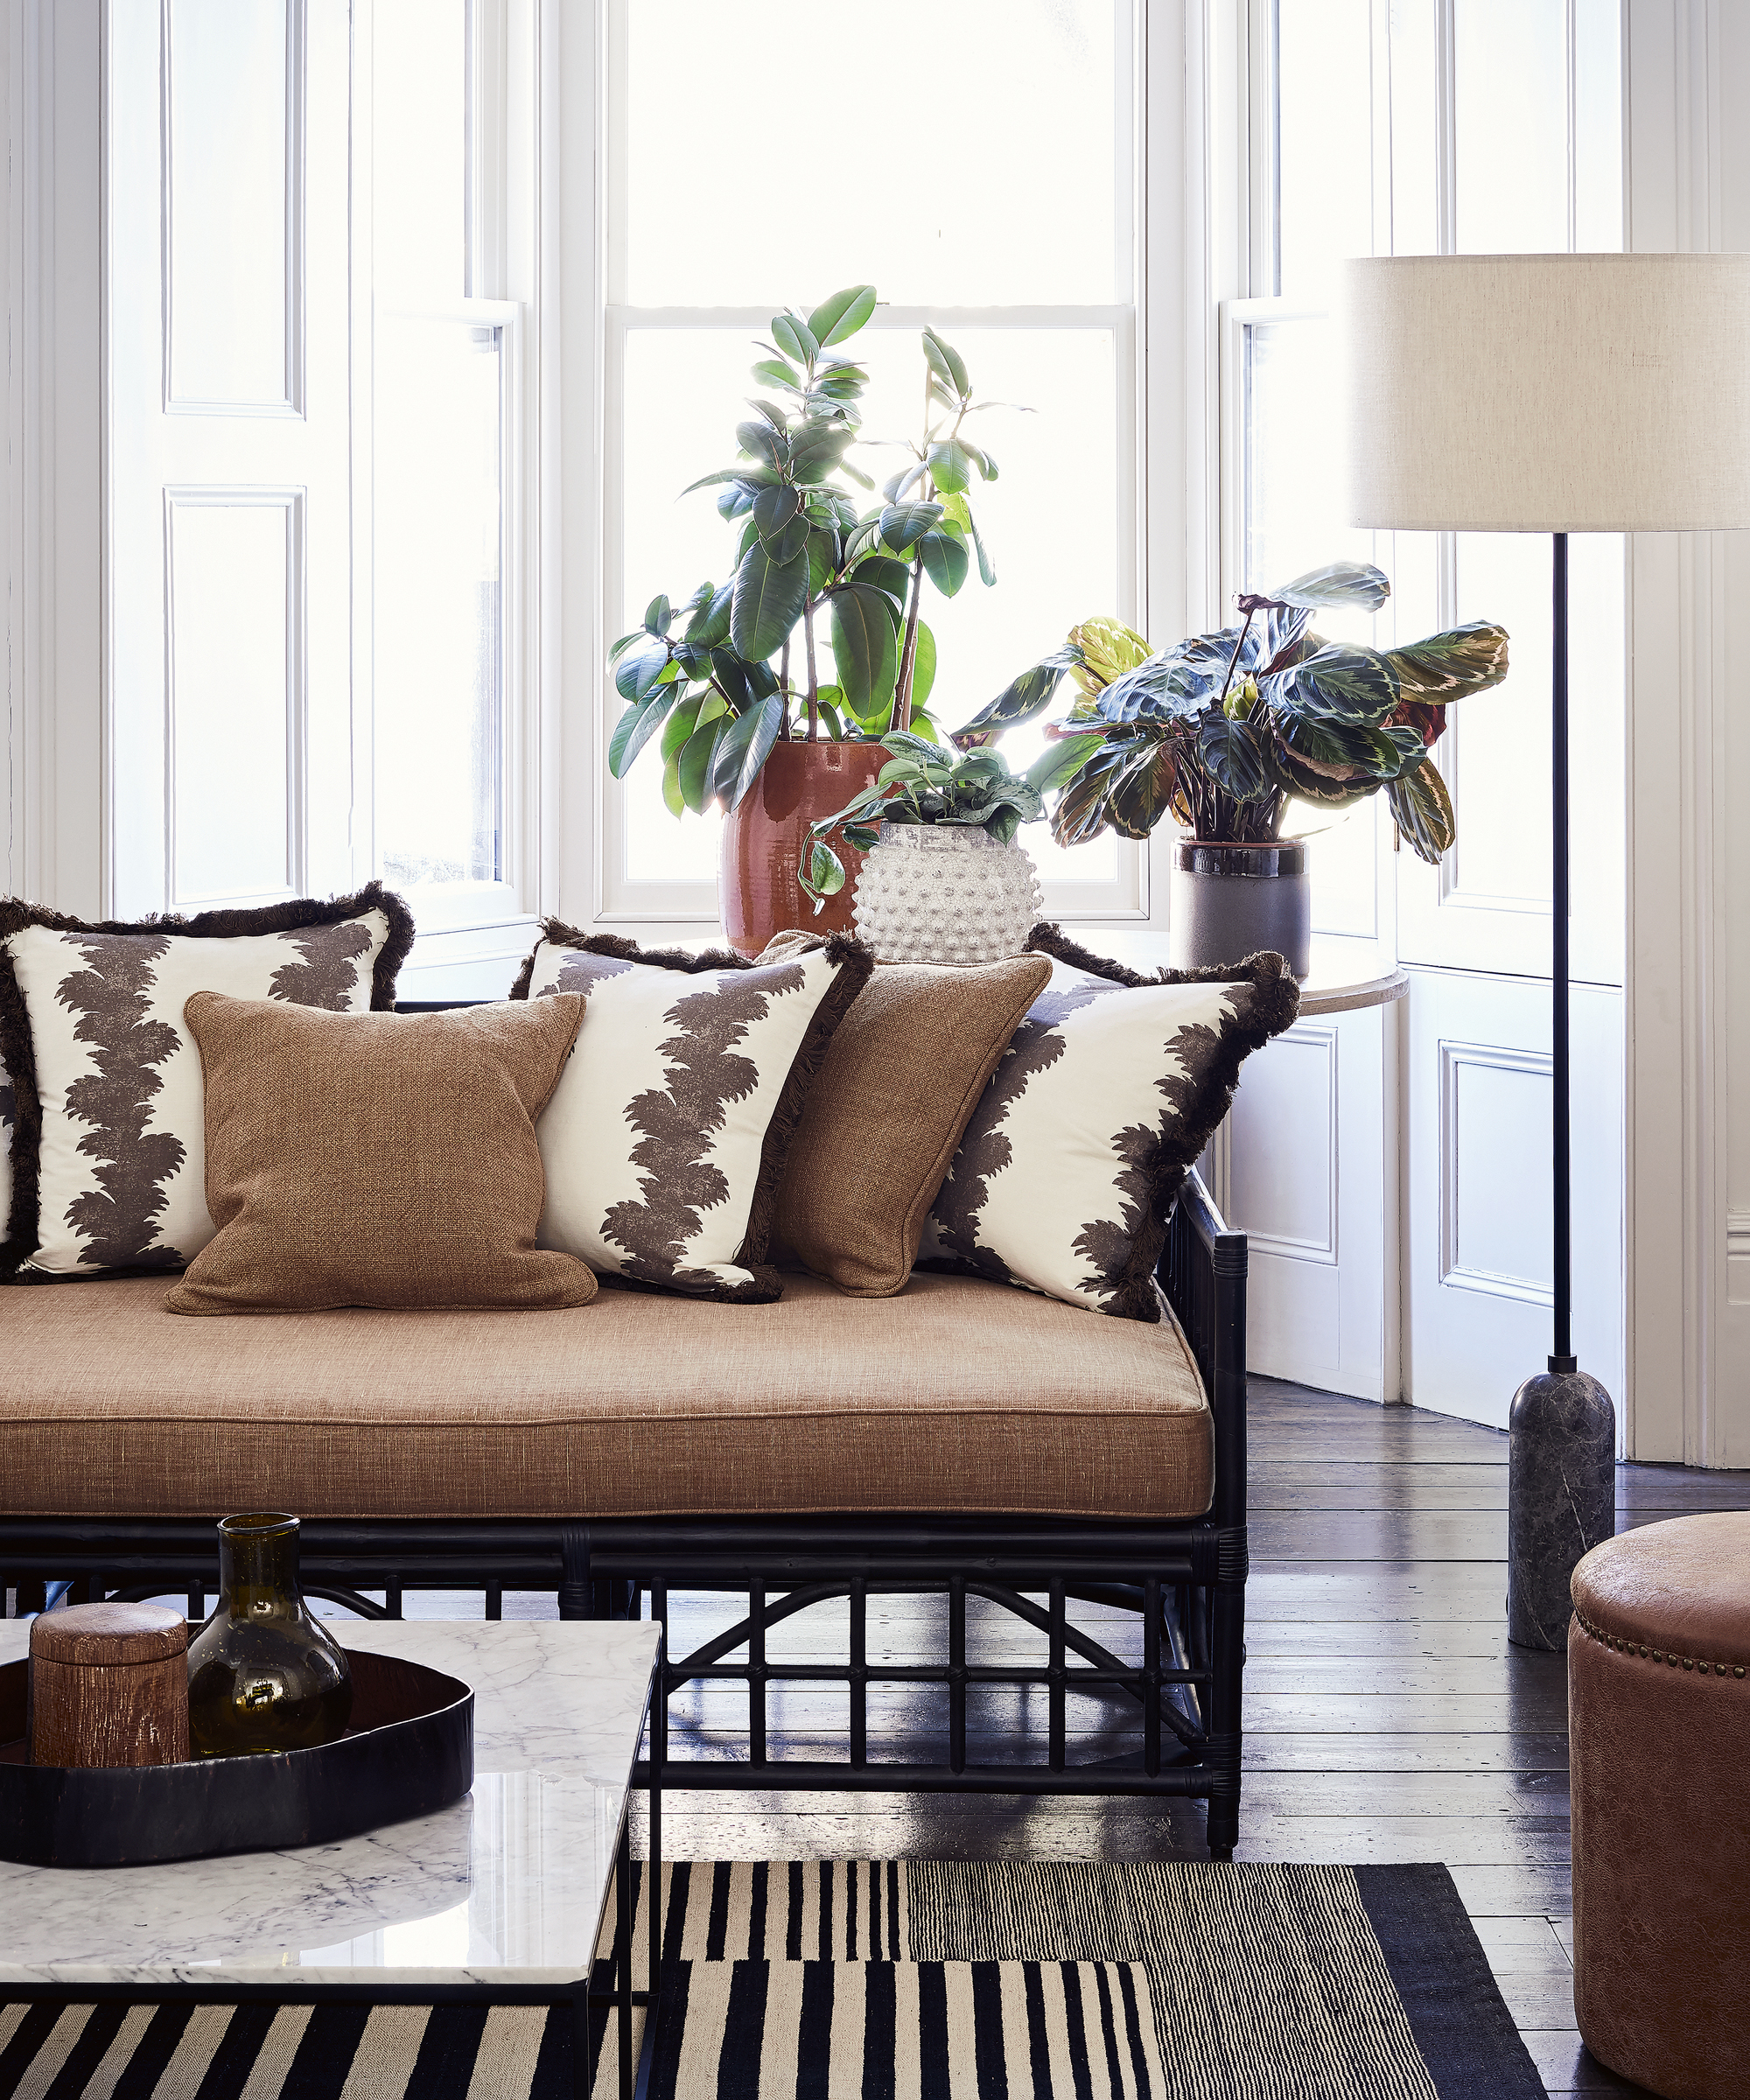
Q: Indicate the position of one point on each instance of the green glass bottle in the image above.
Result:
(262, 1674)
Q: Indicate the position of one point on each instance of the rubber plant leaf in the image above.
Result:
(640, 669)
(863, 647)
(904, 524)
(698, 763)
(841, 316)
(769, 596)
(945, 561)
(744, 749)
(636, 727)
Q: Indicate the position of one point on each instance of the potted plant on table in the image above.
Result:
(1223, 732)
(731, 677)
(943, 880)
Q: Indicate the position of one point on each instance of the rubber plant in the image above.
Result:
(735, 668)
(1223, 731)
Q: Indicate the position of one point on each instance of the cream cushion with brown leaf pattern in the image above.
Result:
(1108, 1091)
(665, 1140)
(109, 1149)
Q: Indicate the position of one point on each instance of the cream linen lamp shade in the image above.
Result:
(1605, 392)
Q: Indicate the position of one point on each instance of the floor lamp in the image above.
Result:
(1557, 394)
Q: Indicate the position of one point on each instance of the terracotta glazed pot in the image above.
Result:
(764, 839)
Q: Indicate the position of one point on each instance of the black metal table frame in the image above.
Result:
(1186, 1579)
(613, 1989)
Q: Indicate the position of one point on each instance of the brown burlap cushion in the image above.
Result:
(906, 1069)
(377, 1159)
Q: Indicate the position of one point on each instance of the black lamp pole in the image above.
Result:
(1561, 1477)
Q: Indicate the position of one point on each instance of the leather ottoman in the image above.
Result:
(1659, 1720)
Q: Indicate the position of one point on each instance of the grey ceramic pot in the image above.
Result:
(1228, 902)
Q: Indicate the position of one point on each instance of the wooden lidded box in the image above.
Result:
(109, 1686)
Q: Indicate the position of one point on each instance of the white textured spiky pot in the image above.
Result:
(945, 894)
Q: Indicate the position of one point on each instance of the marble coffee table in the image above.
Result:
(498, 1898)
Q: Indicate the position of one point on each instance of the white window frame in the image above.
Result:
(615, 899)
(471, 938)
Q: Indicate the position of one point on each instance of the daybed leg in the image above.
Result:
(1226, 1668)
(574, 1572)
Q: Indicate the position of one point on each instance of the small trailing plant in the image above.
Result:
(926, 783)
(1223, 731)
(735, 669)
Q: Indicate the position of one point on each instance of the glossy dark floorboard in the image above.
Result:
(1386, 1718)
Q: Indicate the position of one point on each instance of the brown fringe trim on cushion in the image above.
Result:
(1275, 1000)
(17, 1052)
(853, 962)
(690, 960)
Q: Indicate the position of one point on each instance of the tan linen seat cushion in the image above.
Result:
(899, 1079)
(377, 1159)
(958, 1395)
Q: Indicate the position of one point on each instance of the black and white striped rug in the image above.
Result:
(904, 1980)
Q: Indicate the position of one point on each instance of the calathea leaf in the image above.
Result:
(769, 596)
(1021, 699)
(1341, 750)
(863, 648)
(635, 728)
(744, 749)
(1424, 811)
(945, 561)
(1450, 666)
(841, 316)
(1231, 754)
(1337, 583)
(904, 524)
(1082, 811)
(1142, 790)
(1342, 682)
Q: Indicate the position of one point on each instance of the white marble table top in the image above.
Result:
(507, 1886)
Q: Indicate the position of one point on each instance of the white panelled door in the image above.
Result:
(230, 735)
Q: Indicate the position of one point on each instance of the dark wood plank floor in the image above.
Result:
(1386, 1718)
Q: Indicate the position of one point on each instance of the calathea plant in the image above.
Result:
(736, 666)
(926, 783)
(1222, 732)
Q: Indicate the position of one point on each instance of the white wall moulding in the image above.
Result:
(234, 617)
(1688, 982)
(233, 144)
(229, 524)
(1477, 1186)
(1493, 1100)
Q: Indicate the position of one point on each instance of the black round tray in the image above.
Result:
(409, 1750)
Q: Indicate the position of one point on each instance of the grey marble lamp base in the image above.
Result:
(1561, 1498)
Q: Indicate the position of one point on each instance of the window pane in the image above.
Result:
(954, 155)
(419, 164)
(681, 394)
(1324, 140)
(1511, 90)
(438, 652)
